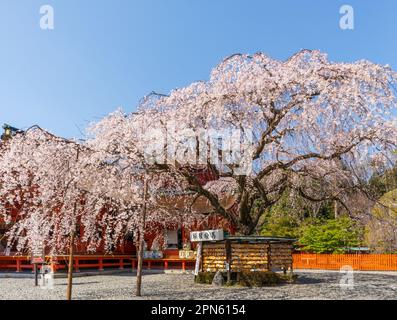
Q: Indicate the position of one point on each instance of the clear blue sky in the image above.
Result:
(104, 54)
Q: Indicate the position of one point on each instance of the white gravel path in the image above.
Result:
(311, 285)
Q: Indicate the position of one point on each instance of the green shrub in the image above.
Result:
(204, 277)
(332, 236)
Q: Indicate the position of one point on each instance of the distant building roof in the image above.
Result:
(9, 131)
(259, 239)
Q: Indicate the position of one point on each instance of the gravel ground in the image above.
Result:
(311, 285)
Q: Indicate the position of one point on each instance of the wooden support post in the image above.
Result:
(184, 265)
(336, 209)
(133, 264)
(141, 241)
(269, 257)
(198, 258)
(36, 275)
(70, 271)
(71, 254)
(121, 263)
(165, 265)
(228, 248)
(139, 268)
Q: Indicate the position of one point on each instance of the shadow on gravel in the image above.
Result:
(79, 283)
(133, 273)
(308, 280)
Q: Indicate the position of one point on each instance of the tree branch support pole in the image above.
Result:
(36, 275)
(141, 242)
(70, 270)
(228, 247)
(336, 209)
(71, 253)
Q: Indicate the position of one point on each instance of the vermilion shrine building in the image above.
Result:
(168, 238)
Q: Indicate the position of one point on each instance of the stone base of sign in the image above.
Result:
(218, 280)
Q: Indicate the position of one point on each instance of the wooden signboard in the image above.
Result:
(207, 235)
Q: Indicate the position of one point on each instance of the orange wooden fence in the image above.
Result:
(368, 262)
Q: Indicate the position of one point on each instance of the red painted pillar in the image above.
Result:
(19, 265)
(184, 265)
(76, 265)
(31, 265)
(165, 264)
(133, 264)
(121, 263)
(53, 267)
(149, 264)
(100, 264)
